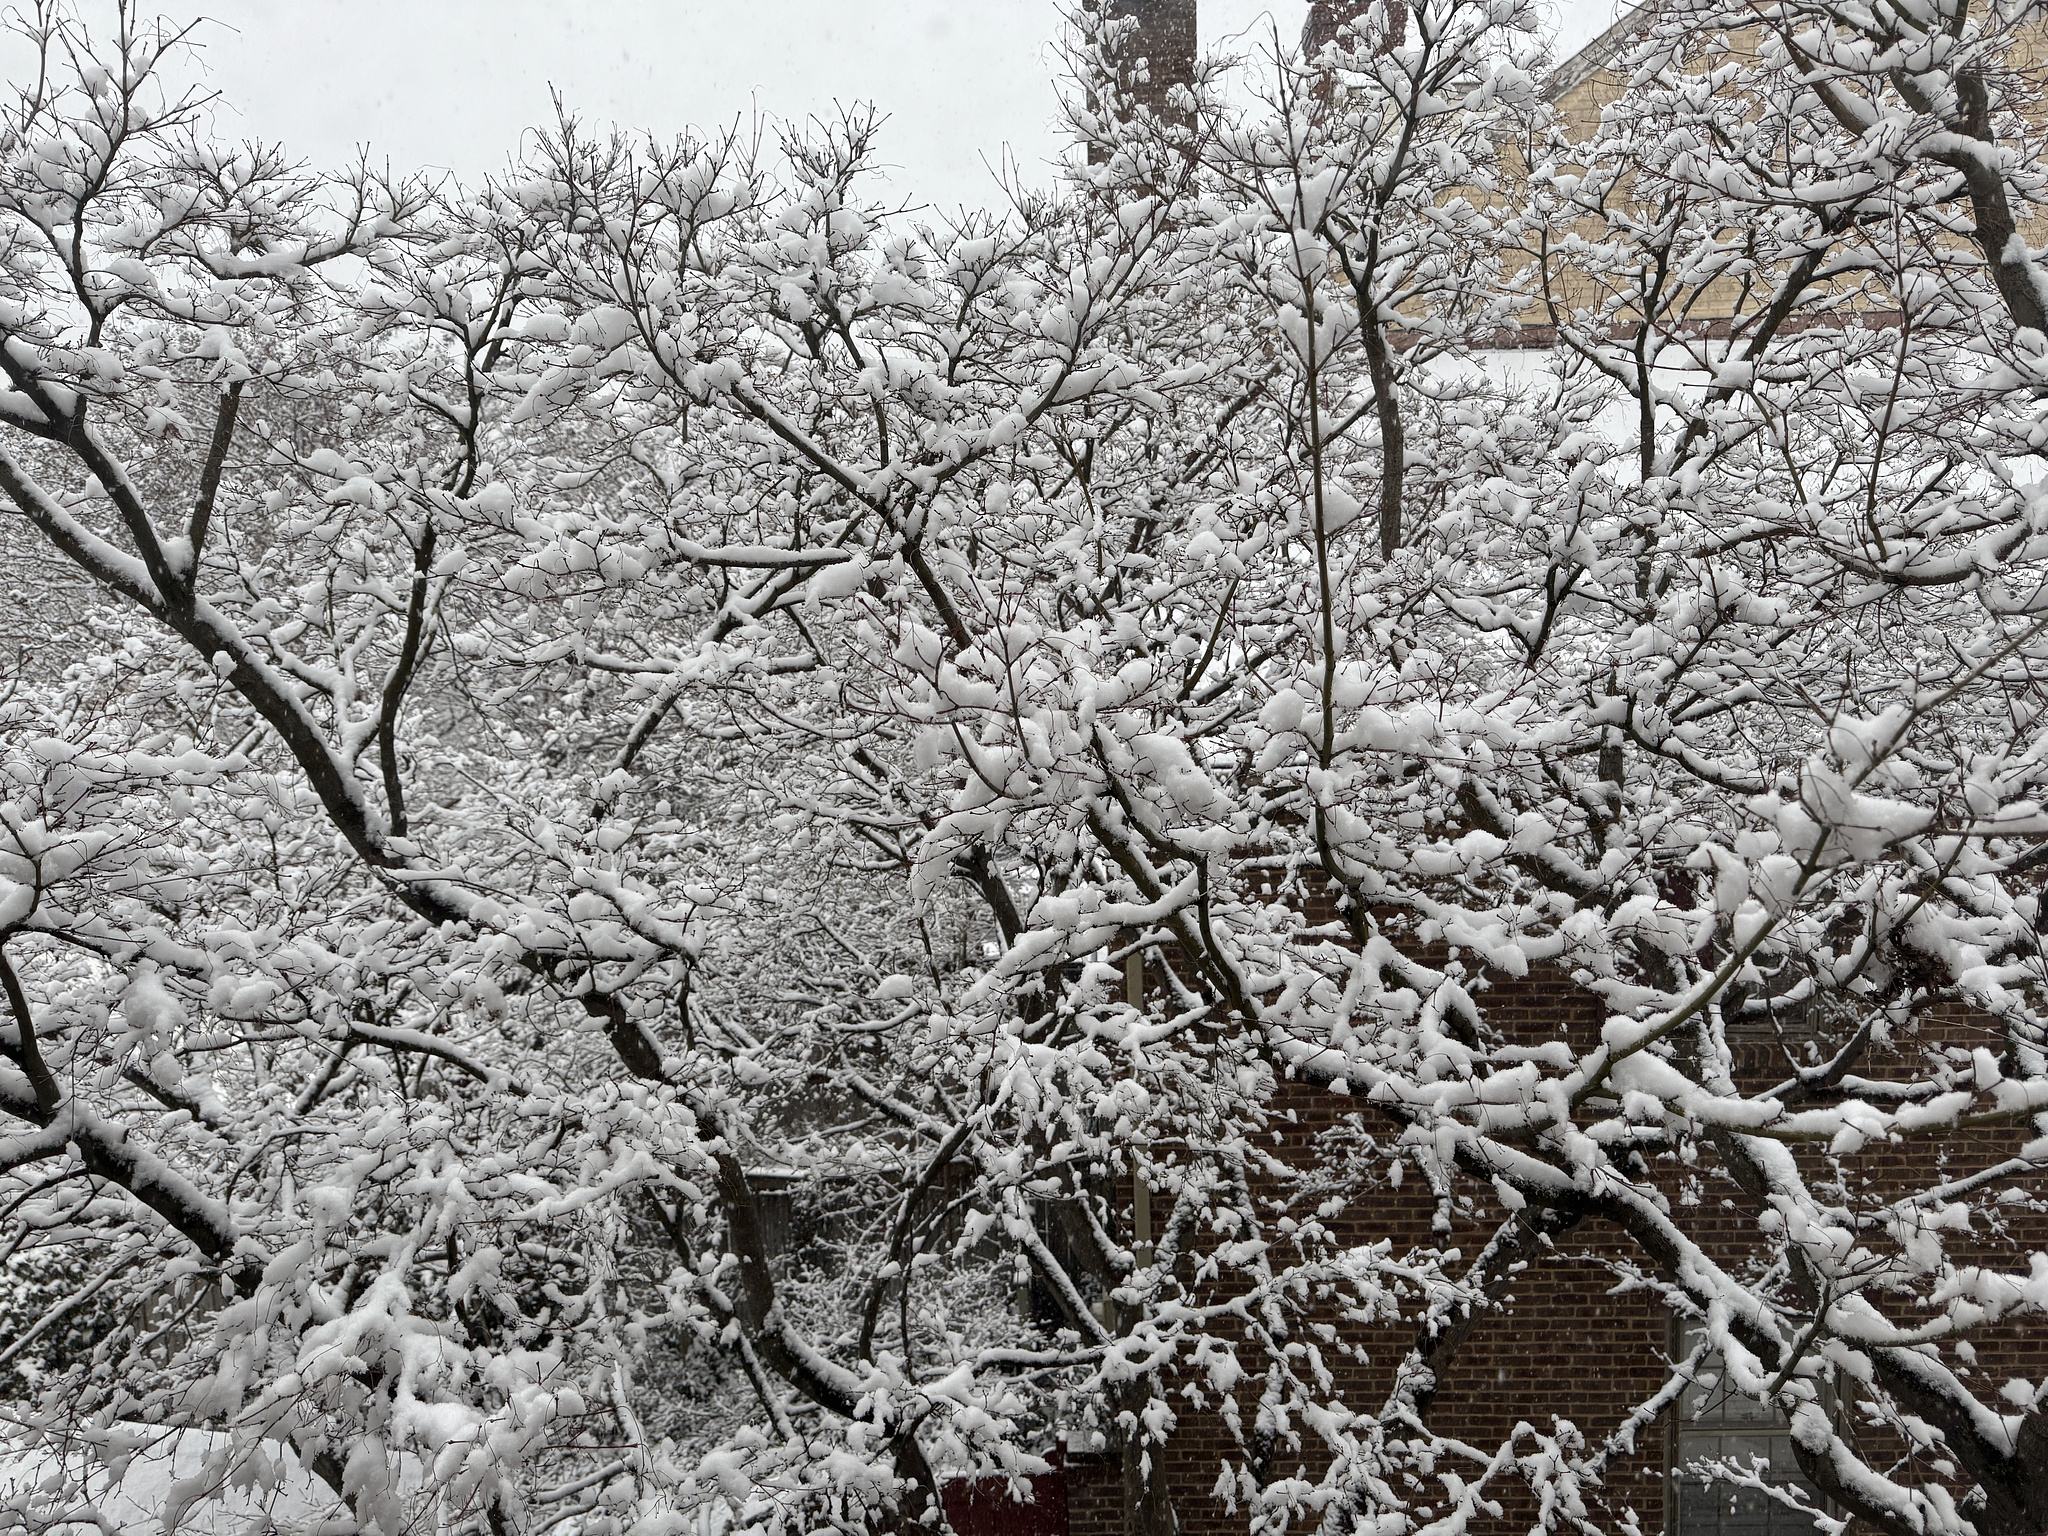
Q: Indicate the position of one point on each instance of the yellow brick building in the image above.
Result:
(1591, 80)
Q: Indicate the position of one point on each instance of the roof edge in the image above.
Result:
(1589, 60)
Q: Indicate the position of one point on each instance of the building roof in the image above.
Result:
(1595, 56)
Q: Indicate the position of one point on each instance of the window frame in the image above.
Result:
(1682, 1414)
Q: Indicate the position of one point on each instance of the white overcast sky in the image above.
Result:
(452, 83)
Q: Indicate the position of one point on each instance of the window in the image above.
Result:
(1717, 1425)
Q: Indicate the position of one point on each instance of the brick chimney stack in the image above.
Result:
(1326, 16)
(1165, 40)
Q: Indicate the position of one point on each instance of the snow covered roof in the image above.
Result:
(1589, 60)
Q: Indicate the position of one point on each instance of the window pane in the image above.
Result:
(1717, 1425)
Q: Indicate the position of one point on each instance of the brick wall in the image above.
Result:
(1564, 1343)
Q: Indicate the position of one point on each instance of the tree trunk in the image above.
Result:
(1147, 1501)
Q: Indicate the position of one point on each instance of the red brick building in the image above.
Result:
(1570, 1338)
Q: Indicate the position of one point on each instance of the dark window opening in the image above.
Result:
(1718, 1425)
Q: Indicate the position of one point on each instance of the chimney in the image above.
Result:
(1326, 16)
(1165, 40)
